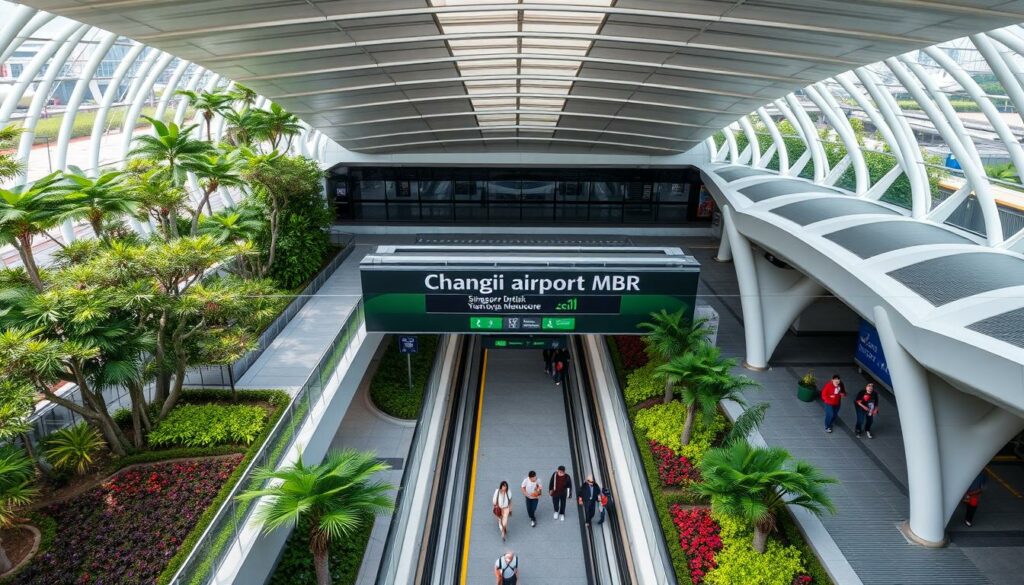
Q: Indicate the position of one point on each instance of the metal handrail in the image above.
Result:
(204, 559)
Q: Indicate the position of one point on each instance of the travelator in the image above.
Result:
(426, 543)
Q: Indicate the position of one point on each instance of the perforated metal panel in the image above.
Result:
(815, 210)
(949, 278)
(872, 239)
(778, 187)
(1008, 327)
(735, 173)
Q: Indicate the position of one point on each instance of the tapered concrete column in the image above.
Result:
(771, 297)
(948, 436)
(724, 249)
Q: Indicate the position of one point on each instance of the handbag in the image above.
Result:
(497, 510)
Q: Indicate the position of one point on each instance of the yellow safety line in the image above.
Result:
(996, 477)
(472, 471)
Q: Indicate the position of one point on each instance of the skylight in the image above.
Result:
(518, 72)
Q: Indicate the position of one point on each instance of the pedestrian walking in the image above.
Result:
(588, 496)
(866, 405)
(531, 489)
(559, 488)
(607, 505)
(506, 569)
(832, 395)
(549, 356)
(973, 496)
(560, 366)
(502, 501)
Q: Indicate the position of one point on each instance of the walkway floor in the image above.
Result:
(872, 495)
(295, 352)
(523, 428)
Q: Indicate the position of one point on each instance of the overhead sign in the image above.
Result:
(525, 301)
(869, 354)
(523, 342)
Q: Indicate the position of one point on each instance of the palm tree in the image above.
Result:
(334, 499)
(172, 147)
(214, 170)
(705, 379)
(277, 124)
(26, 211)
(96, 199)
(10, 167)
(156, 195)
(16, 489)
(754, 483)
(243, 94)
(230, 226)
(208, 104)
(670, 335)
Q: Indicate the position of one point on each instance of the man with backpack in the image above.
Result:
(560, 366)
(506, 569)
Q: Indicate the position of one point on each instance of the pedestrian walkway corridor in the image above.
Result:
(523, 427)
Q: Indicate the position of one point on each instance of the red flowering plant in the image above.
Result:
(673, 470)
(803, 580)
(633, 351)
(127, 529)
(698, 537)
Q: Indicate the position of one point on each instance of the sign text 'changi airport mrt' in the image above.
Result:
(523, 290)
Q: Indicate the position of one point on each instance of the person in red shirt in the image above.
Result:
(832, 395)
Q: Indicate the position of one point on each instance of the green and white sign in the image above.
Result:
(512, 300)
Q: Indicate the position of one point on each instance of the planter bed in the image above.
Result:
(705, 548)
(389, 389)
(346, 556)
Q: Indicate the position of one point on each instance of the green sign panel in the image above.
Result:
(534, 300)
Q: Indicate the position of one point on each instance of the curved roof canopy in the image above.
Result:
(608, 76)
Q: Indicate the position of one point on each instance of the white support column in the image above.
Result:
(22, 33)
(946, 108)
(975, 175)
(42, 93)
(949, 437)
(130, 117)
(802, 160)
(811, 137)
(730, 141)
(882, 185)
(172, 86)
(15, 24)
(109, 95)
(872, 113)
(920, 191)
(788, 291)
(78, 94)
(712, 151)
(1001, 69)
(841, 124)
(193, 83)
(29, 73)
(780, 143)
(754, 145)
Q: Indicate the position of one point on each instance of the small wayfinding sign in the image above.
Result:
(408, 344)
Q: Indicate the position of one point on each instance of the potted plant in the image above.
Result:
(807, 387)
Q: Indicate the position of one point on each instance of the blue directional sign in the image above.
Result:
(408, 343)
(869, 354)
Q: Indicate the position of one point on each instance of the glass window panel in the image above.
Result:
(671, 213)
(606, 213)
(437, 212)
(470, 212)
(372, 189)
(671, 192)
(607, 191)
(435, 190)
(401, 211)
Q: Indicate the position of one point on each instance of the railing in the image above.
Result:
(226, 529)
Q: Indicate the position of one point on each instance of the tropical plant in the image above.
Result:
(705, 378)
(173, 148)
(754, 483)
(17, 489)
(243, 94)
(1003, 172)
(746, 423)
(27, 211)
(208, 104)
(73, 448)
(205, 425)
(156, 195)
(231, 225)
(671, 335)
(809, 380)
(335, 498)
(10, 166)
(276, 125)
(95, 199)
(214, 170)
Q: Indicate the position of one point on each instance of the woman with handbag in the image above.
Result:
(502, 502)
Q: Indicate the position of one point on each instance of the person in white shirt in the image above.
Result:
(531, 489)
(506, 569)
(502, 502)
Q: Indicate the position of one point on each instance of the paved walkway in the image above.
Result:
(295, 352)
(523, 427)
(872, 495)
(366, 429)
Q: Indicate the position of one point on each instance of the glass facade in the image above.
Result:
(499, 196)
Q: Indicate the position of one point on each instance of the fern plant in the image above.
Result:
(74, 448)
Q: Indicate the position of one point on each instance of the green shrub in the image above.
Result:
(641, 384)
(195, 425)
(389, 389)
(812, 566)
(664, 423)
(738, 562)
(73, 448)
(346, 555)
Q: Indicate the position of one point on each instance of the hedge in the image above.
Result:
(389, 388)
